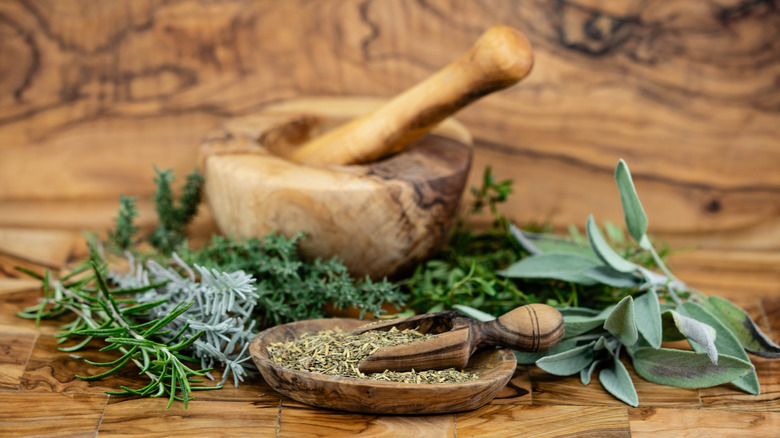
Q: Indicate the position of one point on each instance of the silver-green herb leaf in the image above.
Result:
(611, 277)
(587, 372)
(543, 243)
(564, 267)
(622, 322)
(743, 327)
(526, 358)
(576, 325)
(648, 318)
(726, 343)
(604, 251)
(700, 333)
(617, 381)
(687, 369)
(568, 362)
(635, 217)
(473, 313)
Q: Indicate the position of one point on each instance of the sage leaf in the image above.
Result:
(578, 311)
(606, 344)
(648, 318)
(622, 322)
(604, 251)
(568, 362)
(617, 382)
(687, 369)
(726, 343)
(699, 332)
(545, 243)
(743, 327)
(669, 327)
(473, 313)
(611, 277)
(564, 267)
(587, 372)
(614, 233)
(526, 358)
(576, 325)
(636, 220)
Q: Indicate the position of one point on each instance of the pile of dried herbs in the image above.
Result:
(336, 353)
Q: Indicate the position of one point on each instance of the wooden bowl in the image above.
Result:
(495, 368)
(381, 219)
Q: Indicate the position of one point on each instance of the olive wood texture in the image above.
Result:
(531, 328)
(380, 219)
(499, 58)
(495, 368)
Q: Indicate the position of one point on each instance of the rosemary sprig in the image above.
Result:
(100, 314)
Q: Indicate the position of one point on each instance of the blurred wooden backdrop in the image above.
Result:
(94, 93)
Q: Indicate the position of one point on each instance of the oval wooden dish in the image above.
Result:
(495, 368)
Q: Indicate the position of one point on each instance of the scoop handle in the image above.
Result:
(500, 57)
(530, 328)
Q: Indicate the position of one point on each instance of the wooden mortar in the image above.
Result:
(365, 183)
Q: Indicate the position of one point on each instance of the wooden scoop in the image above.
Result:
(531, 328)
(499, 58)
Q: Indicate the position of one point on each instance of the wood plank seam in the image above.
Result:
(278, 431)
(102, 415)
(27, 361)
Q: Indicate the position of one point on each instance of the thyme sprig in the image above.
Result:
(100, 313)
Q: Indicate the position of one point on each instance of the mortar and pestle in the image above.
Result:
(376, 184)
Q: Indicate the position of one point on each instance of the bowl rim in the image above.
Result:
(493, 381)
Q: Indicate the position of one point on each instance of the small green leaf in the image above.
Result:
(525, 358)
(622, 322)
(587, 372)
(604, 251)
(687, 369)
(743, 327)
(607, 275)
(564, 267)
(576, 325)
(636, 220)
(617, 382)
(701, 333)
(568, 362)
(473, 313)
(578, 311)
(544, 243)
(648, 318)
(726, 343)
(614, 233)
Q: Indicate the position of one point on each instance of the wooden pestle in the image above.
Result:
(531, 328)
(499, 58)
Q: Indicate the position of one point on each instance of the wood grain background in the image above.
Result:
(94, 93)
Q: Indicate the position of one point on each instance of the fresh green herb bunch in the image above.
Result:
(121, 237)
(465, 272)
(720, 333)
(221, 309)
(289, 288)
(174, 219)
(123, 323)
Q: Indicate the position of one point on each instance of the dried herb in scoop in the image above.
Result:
(335, 353)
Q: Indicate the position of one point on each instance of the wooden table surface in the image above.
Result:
(40, 396)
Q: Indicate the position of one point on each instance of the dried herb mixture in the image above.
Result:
(336, 353)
